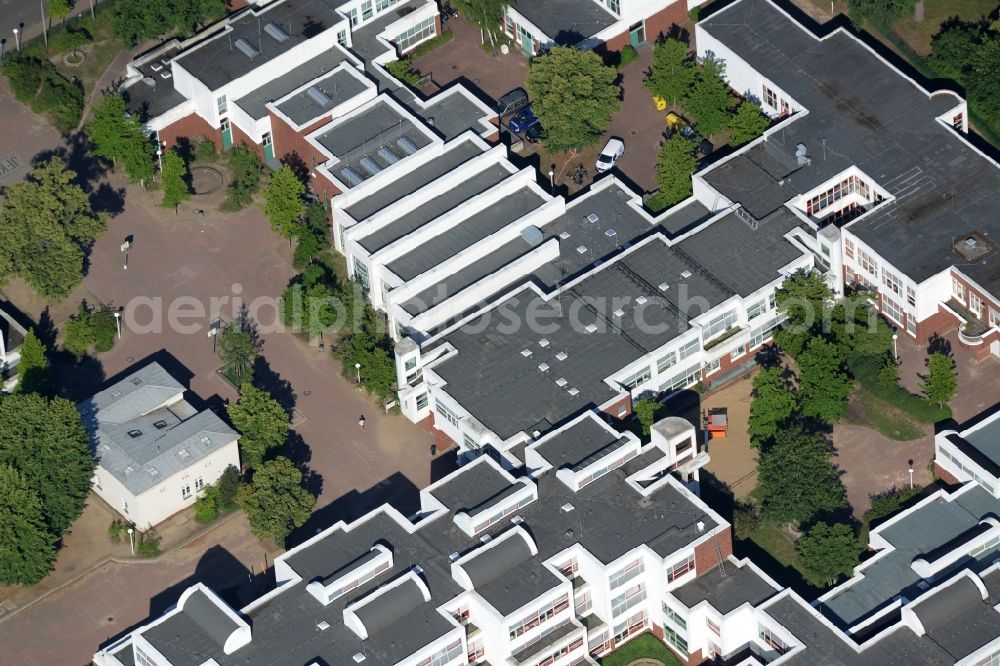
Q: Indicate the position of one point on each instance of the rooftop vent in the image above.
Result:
(369, 165)
(561, 382)
(417, 569)
(454, 557)
(323, 626)
(160, 425)
(351, 177)
(543, 342)
(387, 155)
(685, 274)
(664, 286)
(359, 657)
(275, 32)
(536, 434)
(134, 433)
(582, 249)
(129, 469)
(136, 381)
(590, 328)
(153, 471)
(156, 67)
(149, 81)
(701, 526)
(318, 96)
(562, 356)
(516, 520)
(205, 440)
(619, 313)
(800, 155)
(567, 507)
(568, 533)
(592, 218)
(486, 538)
(525, 353)
(973, 247)
(246, 48)
(573, 392)
(543, 367)
(564, 235)
(533, 235)
(167, 75)
(116, 393)
(406, 145)
(610, 233)
(639, 300)
(183, 453)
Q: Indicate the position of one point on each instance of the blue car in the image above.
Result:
(523, 121)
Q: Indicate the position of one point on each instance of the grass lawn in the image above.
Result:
(646, 646)
(775, 541)
(918, 35)
(871, 412)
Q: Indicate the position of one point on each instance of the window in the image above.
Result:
(539, 617)
(185, 491)
(628, 599)
(679, 569)
(342, 37)
(221, 105)
(712, 366)
(418, 33)
(719, 324)
(713, 627)
(599, 644)
(366, 10)
(911, 325)
(958, 290)
(892, 310)
(500, 515)
(771, 640)
(958, 122)
(867, 262)
(976, 304)
(675, 617)
(449, 416)
(199, 483)
(353, 16)
(666, 361)
(461, 615)
(382, 5)
(911, 295)
(421, 401)
(142, 658)
(614, 7)
(160, 425)
(582, 603)
(736, 353)
(689, 348)
(892, 281)
(444, 656)
(470, 443)
(641, 376)
(361, 274)
(629, 572)
(477, 650)
(994, 318)
(570, 568)
(770, 98)
(755, 309)
(266, 139)
(759, 336)
(633, 625)
(848, 247)
(676, 640)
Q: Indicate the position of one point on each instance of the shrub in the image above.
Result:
(628, 55)
(69, 40)
(746, 519)
(147, 544)
(90, 327)
(116, 528)
(695, 14)
(204, 149)
(886, 503)
(402, 70)
(431, 44)
(206, 508)
(866, 369)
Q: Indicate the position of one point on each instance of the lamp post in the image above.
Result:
(17, 38)
(895, 353)
(45, 32)
(552, 179)
(357, 366)
(910, 463)
(92, 15)
(118, 323)
(124, 247)
(131, 543)
(159, 157)
(213, 331)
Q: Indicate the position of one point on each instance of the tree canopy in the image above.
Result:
(115, 135)
(33, 368)
(27, 547)
(674, 165)
(283, 201)
(823, 385)
(574, 94)
(940, 382)
(796, 479)
(240, 345)
(773, 405)
(275, 502)
(880, 13)
(487, 15)
(709, 99)
(673, 72)
(309, 303)
(47, 225)
(45, 441)
(90, 328)
(827, 551)
(135, 20)
(646, 410)
(746, 124)
(174, 177)
(261, 421)
(369, 346)
(245, 170)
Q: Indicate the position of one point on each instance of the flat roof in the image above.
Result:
(153, 95)
(462, 191)
(452, 114)
(466, 233)
(339, 86)
(567, 22)
(580, 445)
(509, 392)
(479, 486)
(863, 113)
(986, 440)
(455, 154)
(217, 61)
(726, 592)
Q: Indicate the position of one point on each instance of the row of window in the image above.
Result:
(893, 311)
(360, 580)
(627, 573)
(771, 99)
(582, 603)
(771, 640)
(613, 465)
(500, 515)
(539, 617)
(421, 31)
(628, 599)
(850, 185)
(681, 568)
(974, 473)
(674, 616)
(719, 324)
(561, 652)
(975, 303)
(633, 625)
(449, 416)
(444, 656)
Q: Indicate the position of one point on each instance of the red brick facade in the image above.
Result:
(614, 410)
(287, 141)
(939, 323)
(660, 22)
(190, 126)
(705, 557)
(240, 138)
(945, 475)
(981, 350)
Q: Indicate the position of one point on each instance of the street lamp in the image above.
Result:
(552, 179)
(17, 38)
(124, 247)
(895, 354)
(118, 323)
(159, 157)
(45, 32)
(910, 463)
(131, 543)
(213, 331)
(357, 366)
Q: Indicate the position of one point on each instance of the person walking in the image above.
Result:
(361, 422)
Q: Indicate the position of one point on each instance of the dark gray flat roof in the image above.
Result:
(183, 641)
(508, 392)
(452, 114)
(727, 592)
(435, 207)
(580, 445)
(454, 155)
(478, 486)
(387, 607)
(148, 101)
(986, 440)
(567, 22)
(865, 114)
(217, 62)
(518, 586)
(340, 87)
(467, 233)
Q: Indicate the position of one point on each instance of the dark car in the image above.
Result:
(512, 102)
(535, 133)
(523, 121)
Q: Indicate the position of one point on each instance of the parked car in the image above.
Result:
(613, 149)
(523, 121)
(535, 133)
(512, 102)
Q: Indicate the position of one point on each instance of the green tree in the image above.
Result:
(116, 135)
(880, 13)
(174, 177)
(25, 75)
(228, 483)
(45, 441)
(37, 82)
(33, 368)
(27, 548)
(823, 385)
(240, 345)
(372, 350)
(672, 73)
(982, 82)
(940, 382)
(827, 552)
(746, 124)
(189, 15)
(574, 96)
(645, 411)
(803, 298)
(954, 47)
(283, 201)
(674, 166)
(275, 502)
(709, 99)
(46, 227)
(90, 327)
(487, 15)
(245, 170)
(59, 9)
(307, 305)
(796, 479)
(773, 405)
(261, 421)
(313, 234)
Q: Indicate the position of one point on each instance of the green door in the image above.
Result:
(268, 147)
(527, 44)
(637, 34)
(227, 134)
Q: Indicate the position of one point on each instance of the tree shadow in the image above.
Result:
(298, 166)
(768, 357)
(108, 200)
(184, 147)
(297, 449)
(76, 153)
(938, 344)
(266, 379)
(72, 378)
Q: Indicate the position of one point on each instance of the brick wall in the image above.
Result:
(705, 558)
(674, 13)
(287, 141)
(612, 410)
(240, 137)
(190, 126)
(945, 475)
(939, 323)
